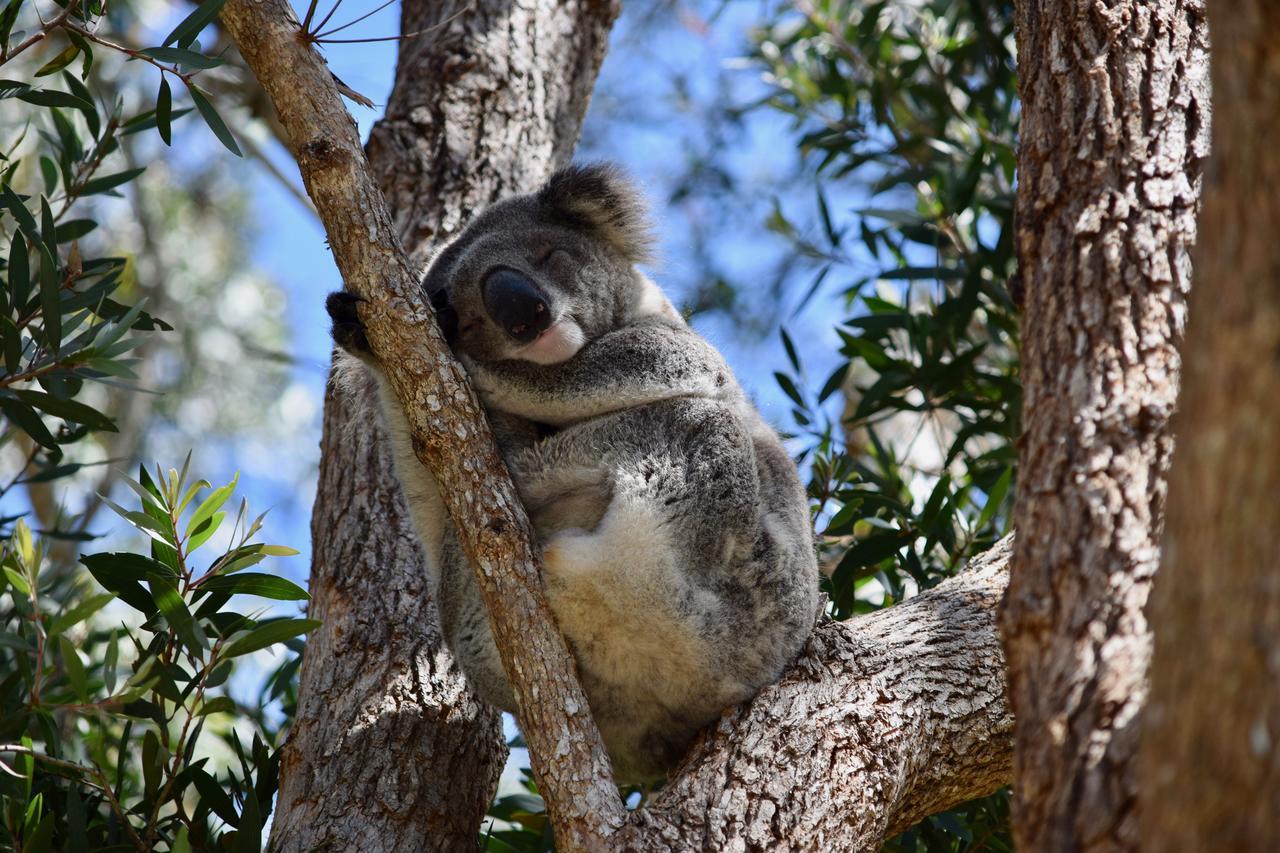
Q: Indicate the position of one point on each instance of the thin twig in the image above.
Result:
(45, 28)
(99, 781)
(136, 54)
(342, 27)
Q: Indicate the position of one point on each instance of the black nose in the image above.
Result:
(516, 304)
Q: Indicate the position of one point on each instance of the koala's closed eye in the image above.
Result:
(549, 254)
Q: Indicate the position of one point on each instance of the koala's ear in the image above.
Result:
(600, 198)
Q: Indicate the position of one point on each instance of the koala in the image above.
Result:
(676, 537)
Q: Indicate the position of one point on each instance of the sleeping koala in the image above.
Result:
(675, 532)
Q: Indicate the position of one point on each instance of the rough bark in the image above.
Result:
(882, 721)
(1114, 130)
(1211, 736)
(415, 746)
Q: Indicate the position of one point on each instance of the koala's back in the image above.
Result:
(679, 565)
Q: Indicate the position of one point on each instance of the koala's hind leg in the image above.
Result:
(649, 596)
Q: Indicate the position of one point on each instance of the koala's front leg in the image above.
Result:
(629, 367)
(354, 367)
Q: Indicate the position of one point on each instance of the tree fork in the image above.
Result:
(450, 433)
(881, 721)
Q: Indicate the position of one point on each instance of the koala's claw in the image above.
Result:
(347, 330)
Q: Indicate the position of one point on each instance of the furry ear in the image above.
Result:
(599, 197)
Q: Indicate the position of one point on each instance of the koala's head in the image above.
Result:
(536, 276)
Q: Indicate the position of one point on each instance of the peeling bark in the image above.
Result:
(1211, 735)
(390, 750)
(1114, 130)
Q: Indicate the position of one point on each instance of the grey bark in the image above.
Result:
(390, 750)
(1114, 130)
(1211, 738)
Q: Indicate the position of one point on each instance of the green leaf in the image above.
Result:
(7, 17)
(175, 611)
(19, 270)
(17, 580)
(87, 65)
(68, 410)
(74, 667)
(12, 340)
(13, 202)
(110, 662)
(268, 634)
(256, 583)
(249, 829)
(214, 796)
(25, 417)
(217, 705)
(187, 30)
(120, 572)
(181, 56)
(59, 62)
(109, 182)
(152, 763)
(211, 504)
(917, 273)
(207, 528)
(49, 171)
(995, 498)
(54, 98)
(164, 111)
(215, 122)
(147, 120)
(50, 294)
(74, 229)
(40, 840)
(80, 612)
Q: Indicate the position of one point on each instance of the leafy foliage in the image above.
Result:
(914, 472)
(105, 712)
(118, 723)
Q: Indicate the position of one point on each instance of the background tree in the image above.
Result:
(1114, 130)
(1215, 700)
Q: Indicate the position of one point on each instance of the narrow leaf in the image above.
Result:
(215, 122)
(268, 634)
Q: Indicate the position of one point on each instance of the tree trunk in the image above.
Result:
(1211, 739)
(1114, 130)
(390, 750)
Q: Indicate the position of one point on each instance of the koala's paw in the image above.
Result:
(347, 330)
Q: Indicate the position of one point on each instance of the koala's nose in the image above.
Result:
(516, 304)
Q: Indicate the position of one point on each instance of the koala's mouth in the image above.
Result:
(559, 343)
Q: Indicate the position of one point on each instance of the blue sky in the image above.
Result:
(634, 79)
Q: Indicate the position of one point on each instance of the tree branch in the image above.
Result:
(882, 721)
(450, 432)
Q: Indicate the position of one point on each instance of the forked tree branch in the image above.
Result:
(882, 720)
(450, 433)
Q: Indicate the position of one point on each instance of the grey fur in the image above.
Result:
(679, 553)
